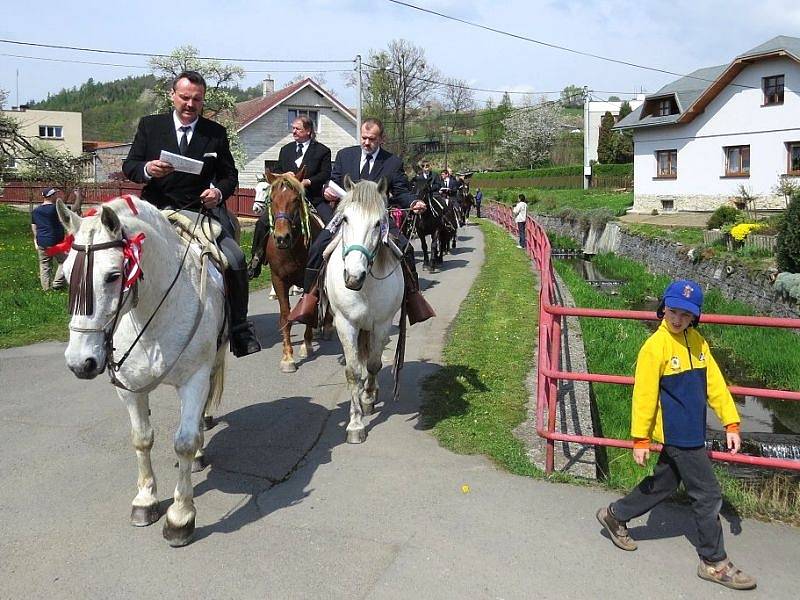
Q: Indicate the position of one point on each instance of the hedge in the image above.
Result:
(563, 171)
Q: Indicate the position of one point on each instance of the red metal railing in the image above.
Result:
(549, 352)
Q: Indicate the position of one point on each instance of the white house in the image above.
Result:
(265, 123)
(702, 140)
(595, 112)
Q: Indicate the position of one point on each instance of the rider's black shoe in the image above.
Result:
(254, 268)
(244, 340)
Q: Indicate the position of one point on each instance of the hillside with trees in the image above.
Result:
(112, 109)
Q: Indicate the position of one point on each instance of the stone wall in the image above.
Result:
(647, 203)
(670, 258)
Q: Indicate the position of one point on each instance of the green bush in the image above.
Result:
(788, 246)
(613, 169)
(529, 173)
(724, 215)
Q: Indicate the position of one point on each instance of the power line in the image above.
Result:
(554, 46)
(157, 55)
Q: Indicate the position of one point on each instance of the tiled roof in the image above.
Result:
(249, 110)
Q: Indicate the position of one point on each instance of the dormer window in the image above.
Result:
(664, 108)
(660, 107)
(773, 89)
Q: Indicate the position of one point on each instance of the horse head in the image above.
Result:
(365, 224)
(287, 208)
(95, 269)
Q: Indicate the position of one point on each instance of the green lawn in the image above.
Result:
(479, 396)
(29, 314)
(551, 202)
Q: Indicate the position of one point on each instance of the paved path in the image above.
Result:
(288, 510)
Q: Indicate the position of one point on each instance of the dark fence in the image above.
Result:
(19, 192)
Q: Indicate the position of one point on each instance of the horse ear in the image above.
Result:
(383, 186)
(301, 174)
(348, 183)
(270, 177)
(110, 220)
(69, 219)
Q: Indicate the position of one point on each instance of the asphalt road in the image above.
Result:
(287, 509)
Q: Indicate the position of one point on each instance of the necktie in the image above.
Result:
(365, 168)
(184, 145)
(299, 152)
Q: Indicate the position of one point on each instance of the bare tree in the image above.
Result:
(396, 81)
(318, 77)
(219, 102)
(457, 95)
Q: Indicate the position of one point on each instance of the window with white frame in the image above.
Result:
(51, 132)
(302, 112)
(737, 161)
(667, 164)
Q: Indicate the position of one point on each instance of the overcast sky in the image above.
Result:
(678, 36)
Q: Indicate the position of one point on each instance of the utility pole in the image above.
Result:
(358, 106)
(587, 167)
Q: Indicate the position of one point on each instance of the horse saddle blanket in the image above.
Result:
(204, 234)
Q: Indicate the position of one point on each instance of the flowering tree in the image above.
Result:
(530, 133)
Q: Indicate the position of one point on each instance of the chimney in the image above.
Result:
(268, 86)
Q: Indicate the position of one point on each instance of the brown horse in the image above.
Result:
(292, 228)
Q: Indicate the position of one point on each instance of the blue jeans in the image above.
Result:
(521, 227)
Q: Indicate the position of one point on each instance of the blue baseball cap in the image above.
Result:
(48, 192)
(684, 294)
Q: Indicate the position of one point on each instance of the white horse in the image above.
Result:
(181, 346)
(364, 286)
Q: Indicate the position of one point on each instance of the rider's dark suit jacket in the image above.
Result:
(316, 160)
(386, 164)
(420, 181)
(451, 185)
(181, 190)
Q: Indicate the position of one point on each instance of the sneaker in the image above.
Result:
(616, 530)
(725, 573)
(518, 246)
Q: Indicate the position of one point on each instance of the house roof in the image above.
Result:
(693, 92)
(91, 146)
(250, 110)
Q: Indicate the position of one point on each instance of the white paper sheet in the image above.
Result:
(182, 163)
(337, 189)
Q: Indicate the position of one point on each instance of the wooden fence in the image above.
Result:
(19, 192)
(754, 240)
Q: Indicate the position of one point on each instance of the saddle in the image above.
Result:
(204, 234)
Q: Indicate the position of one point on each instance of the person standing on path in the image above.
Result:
(478, 200)
(48, 231)
(520, 212)
(676, 380)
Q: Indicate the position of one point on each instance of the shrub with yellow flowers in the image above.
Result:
(741, 230)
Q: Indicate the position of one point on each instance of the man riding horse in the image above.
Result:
(185, 131)
(367, 161)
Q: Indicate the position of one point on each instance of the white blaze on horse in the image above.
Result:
(170, 325)
(364, 287)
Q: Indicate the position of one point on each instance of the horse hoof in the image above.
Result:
(208, 422)
(178, 536)
(356, 436)
(367, 408)
(303, 351)
(288, 366)
(142, 516)
(199, 463)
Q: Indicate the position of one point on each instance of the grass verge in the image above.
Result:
(551, 202)
(30, 314)
(479, 396)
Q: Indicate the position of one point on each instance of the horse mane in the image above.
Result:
(291, 181)
(364, 198)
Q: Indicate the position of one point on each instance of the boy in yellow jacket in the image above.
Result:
(676, 379)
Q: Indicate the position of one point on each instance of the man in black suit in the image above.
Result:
(184, 131)
(426, 179)
(367, 161)
(449, 184)
(304, 151)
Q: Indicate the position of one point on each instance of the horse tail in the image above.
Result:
(217, 381)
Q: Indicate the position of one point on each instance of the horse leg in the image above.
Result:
(179, 524)
(216, 387)
(356, 432)
(287, 360)
(377, 343)
(425, 258)
(144, 509)
(305, 349)
(327, 325)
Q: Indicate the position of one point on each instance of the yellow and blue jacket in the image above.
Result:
(676, 380)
